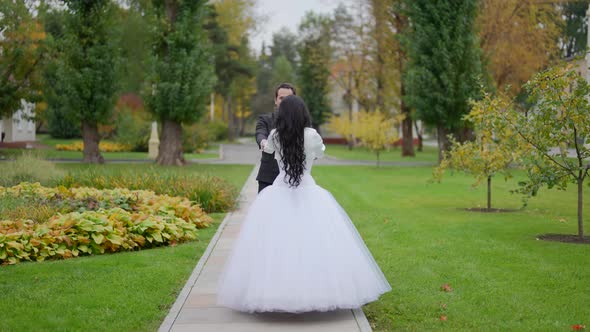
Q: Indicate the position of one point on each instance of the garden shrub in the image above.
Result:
(92, 221)
(211, 193)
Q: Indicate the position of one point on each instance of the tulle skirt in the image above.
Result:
(298, 251)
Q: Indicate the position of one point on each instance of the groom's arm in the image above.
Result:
(262, 129)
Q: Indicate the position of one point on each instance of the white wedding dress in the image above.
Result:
(298, 250)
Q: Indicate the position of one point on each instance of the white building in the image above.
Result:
(19, 127)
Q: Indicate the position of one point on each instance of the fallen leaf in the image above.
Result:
(443, 317)
(578, 327)
(444, 305)
(446, 288)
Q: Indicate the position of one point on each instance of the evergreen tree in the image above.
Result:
(315, 54)
(444, 64)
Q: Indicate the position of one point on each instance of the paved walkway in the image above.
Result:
(196, 309)
(248, 154)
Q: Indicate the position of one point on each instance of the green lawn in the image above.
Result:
(54, 154)
(503, 279)
(130, 291)
(430, 154)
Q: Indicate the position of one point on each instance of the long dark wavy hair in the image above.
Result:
(291, 121)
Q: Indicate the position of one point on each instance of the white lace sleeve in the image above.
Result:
(270, 142)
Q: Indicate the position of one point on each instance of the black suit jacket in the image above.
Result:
(269, 168)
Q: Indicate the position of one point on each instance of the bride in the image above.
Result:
(298, 250)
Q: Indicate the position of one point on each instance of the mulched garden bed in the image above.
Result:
(567, 238)
(490, 210)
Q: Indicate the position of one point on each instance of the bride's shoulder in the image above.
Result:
(310, 131)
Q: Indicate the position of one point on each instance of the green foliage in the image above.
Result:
(82, 79)
(198, 136)
(228, 58)
(263, 100)
(106, 221)
(22, 48)
(557, 126)
(132, 130)
(491, 151)
(444, 60)
(574, 28)
(284, 43)
(282, 71)
(313, 71)
(132, 38)
(61, 122)
(28, 167)
(560, 119)
(181, 75)
(91, 232)
(212, 193)
(217, 130)
(17, 208)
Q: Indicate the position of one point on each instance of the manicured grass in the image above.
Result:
(430, 154)
(503, 279)
(130, 291)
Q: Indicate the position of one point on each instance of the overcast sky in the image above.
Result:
(285, 13)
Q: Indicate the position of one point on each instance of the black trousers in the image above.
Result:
(262, 185)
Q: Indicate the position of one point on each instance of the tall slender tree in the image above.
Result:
(574, 34)
(182, 75)
(85, 78)
(444, 64)
(315, 55)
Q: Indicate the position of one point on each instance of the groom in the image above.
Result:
(269, 168)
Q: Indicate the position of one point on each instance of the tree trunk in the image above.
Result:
(419, 133)
(170, 152)
(443, 141)
(231, 132)
(349, 103)
(242, 120)
(489, 193)
(378, 160)
(91, 141)
(407, 136)
(580, 205)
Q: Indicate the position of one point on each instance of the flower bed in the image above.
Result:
(93, 221)
(102, 146)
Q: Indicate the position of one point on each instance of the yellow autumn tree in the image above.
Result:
(344, 125)
(376, 131)
(491, 152)
(518, 38)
